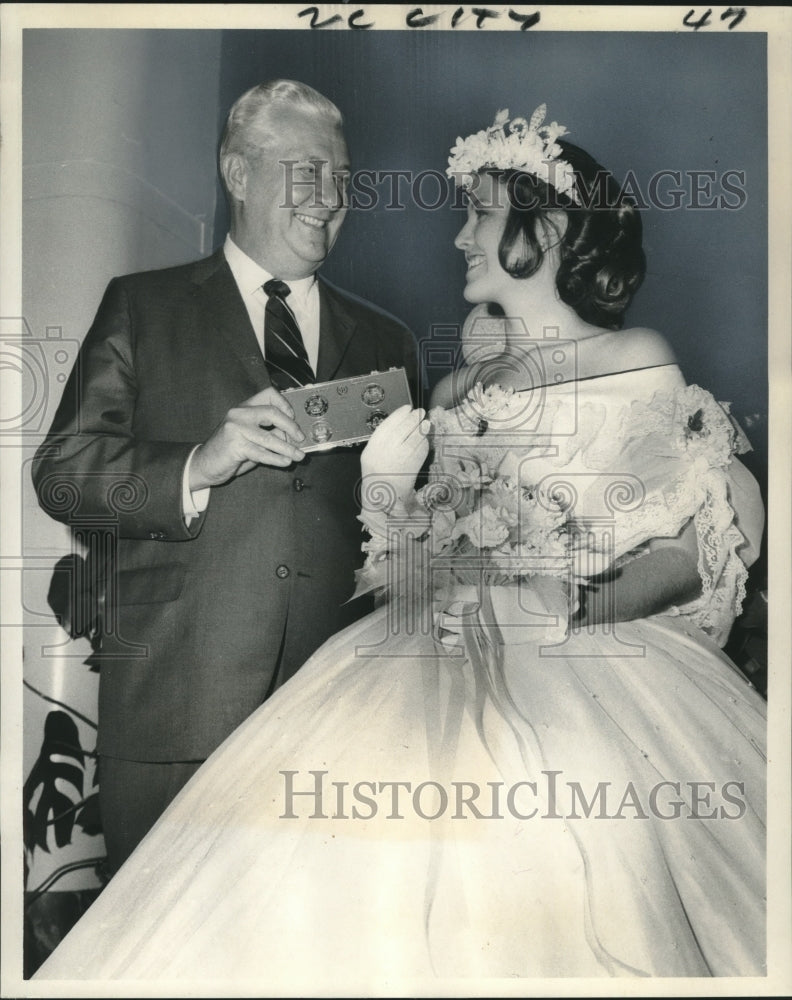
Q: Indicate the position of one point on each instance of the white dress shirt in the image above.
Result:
(304, 302)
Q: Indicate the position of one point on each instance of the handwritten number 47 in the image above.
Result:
(736, 13)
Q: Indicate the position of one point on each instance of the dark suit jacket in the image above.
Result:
(202, 623)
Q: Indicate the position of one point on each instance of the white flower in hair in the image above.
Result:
(515, 144)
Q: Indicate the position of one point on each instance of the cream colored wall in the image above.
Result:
(119, 139)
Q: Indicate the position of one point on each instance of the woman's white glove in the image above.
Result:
(393, 457)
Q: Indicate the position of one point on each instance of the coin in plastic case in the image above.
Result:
(373, 394)
(376, 419)
(316, 405)
(321, 431)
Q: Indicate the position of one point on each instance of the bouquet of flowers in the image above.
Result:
(484, 519)
(474, 522)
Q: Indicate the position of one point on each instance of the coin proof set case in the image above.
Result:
(347, 410)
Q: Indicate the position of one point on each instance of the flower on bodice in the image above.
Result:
(494, 401)
(690, 420)
(706, 425)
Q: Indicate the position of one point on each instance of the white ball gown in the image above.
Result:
(456, 787)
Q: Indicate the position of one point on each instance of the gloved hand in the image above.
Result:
(393, 457)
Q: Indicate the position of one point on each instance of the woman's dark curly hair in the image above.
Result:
(602, 261)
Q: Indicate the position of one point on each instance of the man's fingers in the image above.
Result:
(271, 416)
(270, 397)
(267, 448)
(259, 454)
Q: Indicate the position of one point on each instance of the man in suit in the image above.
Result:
(231, 552)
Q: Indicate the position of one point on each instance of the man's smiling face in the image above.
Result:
(294, 195)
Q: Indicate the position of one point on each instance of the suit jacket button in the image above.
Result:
(282, 572)
(298, 485)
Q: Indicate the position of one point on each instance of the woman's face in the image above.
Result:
(480, 238)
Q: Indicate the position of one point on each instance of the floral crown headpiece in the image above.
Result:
(515, 144)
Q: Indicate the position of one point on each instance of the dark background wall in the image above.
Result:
(638, 102)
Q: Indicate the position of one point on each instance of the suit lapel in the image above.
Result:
(336, 330)
(221, 303)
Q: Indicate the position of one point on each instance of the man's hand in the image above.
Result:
(260, 431)
(395, 453)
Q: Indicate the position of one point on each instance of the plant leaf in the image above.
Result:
(88, 818)
(61, 738)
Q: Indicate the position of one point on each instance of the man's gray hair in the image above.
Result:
(248, 125)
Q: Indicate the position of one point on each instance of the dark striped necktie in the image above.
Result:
(284, 350)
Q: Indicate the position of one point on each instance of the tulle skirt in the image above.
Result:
(404, 810)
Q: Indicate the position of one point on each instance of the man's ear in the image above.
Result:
(234, 168)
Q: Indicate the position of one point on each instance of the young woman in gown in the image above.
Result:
(533, 759)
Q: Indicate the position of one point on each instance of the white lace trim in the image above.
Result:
(722, 571)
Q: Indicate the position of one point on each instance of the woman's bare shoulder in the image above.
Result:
(451, 390)
(643, 344)
(643, 347)
(625, 350)
(609, 353)
(442, 393)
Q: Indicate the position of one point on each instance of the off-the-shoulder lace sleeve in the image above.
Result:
(678, 451)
